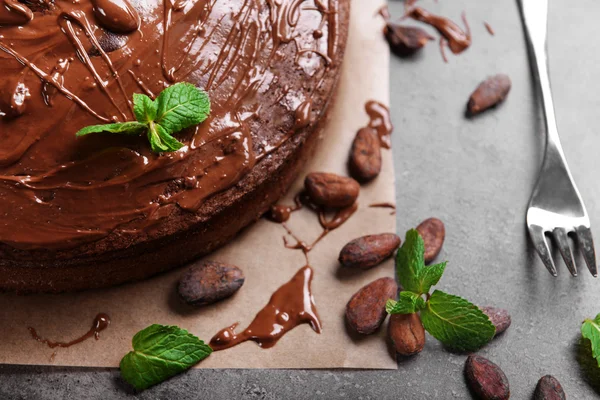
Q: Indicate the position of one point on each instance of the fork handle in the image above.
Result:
(535, 20)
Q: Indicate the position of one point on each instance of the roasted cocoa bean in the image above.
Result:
(407, 333)
(486, 379)
(489, 93)
(208, 282)
(499, 317)
(433, 232)
(365, 312)
(369, 251)
(548, 388)
(365, 155)
(331, 190)
(405, 40)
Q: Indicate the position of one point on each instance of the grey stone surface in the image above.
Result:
(477, 176)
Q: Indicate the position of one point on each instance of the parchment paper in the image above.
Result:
(259, 251)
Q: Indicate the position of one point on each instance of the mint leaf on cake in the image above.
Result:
(176, 108)
(160, 352)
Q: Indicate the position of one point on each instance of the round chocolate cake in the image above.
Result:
(104, 209)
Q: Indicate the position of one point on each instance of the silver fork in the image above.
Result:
(555, 207)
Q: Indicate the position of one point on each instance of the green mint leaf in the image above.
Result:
(430, 276)
(177, 107)
(181, 106)
(408, 303)
(160, 352)
(456, 323)
(125, 128)
(144, 108)
(410, 261)
(590, 329)
(161, 141)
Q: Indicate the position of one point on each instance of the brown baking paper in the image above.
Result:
(259, 251)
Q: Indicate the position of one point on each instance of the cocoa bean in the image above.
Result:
(407, 333)
(548, 388)
(209, 282)
(369, 251)
(365, 312)
(331, 190)
(486, 379)
(365, 156)
(489, 93)
(499, 317)
(405, 40)
(433, 232)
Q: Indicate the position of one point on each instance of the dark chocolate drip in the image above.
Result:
(59, 75)
(328, 225)
(453, 36)
(101, 322)
(380, 121)
(303, 114)
(291, 305)
(280, 213)
(384, 205)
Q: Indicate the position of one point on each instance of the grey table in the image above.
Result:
(477, 176)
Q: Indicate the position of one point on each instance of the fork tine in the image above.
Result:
(536, 233)
(586, 243)
(562, 241)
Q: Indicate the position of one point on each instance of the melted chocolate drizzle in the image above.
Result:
(70, 64)
(291, 305)
(384, 205)
(380, 121)
(451, 34)
(101, 322)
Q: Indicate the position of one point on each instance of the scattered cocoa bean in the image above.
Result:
(365, 156)
(405, 40)
(208, 282)
(486, 379)
(369, 251)
(407, 333)
(499, 317)
(489, 93)
(433, 232)
(365, 312)
(331, 190)
(548, 388)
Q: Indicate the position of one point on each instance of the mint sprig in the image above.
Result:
(452, 320)
(176, 108)
(590, 329)
(160, 352)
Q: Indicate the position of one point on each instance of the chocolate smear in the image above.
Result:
(291, 305)
(101, 322)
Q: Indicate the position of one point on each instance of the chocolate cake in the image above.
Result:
(104, 209)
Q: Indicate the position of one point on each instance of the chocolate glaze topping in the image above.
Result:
(101, 322)
(69, 64)
(291, 305)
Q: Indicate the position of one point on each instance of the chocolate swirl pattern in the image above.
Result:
(66, 65)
